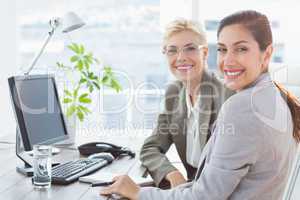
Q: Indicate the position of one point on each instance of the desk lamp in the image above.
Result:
(69, 23)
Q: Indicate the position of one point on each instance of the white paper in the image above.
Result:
(99, 177)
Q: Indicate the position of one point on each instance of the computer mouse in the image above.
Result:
(102, 155)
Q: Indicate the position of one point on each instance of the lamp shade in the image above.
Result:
(71, 22)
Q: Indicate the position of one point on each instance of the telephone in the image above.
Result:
(98, 147)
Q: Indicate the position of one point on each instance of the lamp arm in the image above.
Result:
(50, 34)
(54, 23)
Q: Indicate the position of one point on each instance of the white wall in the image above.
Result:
(8, 41)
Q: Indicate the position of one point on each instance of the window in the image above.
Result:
(125, 34)
(211, 25)
(212, 56)
(278, 55)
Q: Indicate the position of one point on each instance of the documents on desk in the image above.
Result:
(100, 176)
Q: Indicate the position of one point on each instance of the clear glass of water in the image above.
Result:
(42, 166)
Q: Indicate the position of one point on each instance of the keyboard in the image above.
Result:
(70, 172)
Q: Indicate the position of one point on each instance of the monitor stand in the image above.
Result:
(27, 157)
(27, 169)
(54, 150)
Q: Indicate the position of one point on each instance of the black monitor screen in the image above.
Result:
(39, 109)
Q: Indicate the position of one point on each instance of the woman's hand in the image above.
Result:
(175, 178)
(123, 186)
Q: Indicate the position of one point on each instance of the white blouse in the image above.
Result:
(193, 147)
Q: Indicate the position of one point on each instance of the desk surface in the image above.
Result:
(15, 186)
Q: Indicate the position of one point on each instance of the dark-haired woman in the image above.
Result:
(251, 150)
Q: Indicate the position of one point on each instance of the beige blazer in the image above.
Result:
(171, 126)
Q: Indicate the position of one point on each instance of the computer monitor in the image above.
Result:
(37, 109)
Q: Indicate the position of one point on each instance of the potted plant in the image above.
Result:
(84, 79)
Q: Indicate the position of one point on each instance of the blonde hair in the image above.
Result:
(180, 25)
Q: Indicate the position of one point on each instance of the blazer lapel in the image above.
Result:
(180, 114)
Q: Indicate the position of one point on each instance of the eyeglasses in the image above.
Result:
(187, 50)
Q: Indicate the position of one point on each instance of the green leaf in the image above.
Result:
(71, 110)
(74, 58)
(74, 47)
(75, 93)
(96, 85)
(80, 65)
(84, 109)
(107, 69)
(91, 88)
(88, 83)
(82, 80)
(67, 100)
(85, 74)
(85, 100)
(80, 115)
(105, 79)
(83, 96)
(77, 48)
(91, 74)
(88, 59)
(81, 49)
(71, 47)
(115, 85)
(94, 76)
(68, 93)
(86, 64)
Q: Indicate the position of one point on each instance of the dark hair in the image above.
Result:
(259, 27)
(255, 22)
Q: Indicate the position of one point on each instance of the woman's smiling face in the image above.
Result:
(186, 56)
(239, 57)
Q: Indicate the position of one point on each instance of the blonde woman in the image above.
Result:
(191, 105)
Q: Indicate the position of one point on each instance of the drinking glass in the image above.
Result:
(42, 166)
